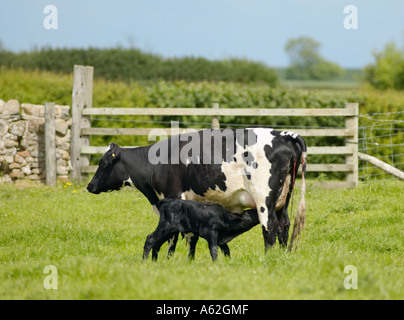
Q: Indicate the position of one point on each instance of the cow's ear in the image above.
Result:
(115, 154)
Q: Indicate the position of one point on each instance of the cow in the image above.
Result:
(212, 222)
(236, 168)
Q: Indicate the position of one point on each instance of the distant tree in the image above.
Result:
(306, 63)
(388, 69)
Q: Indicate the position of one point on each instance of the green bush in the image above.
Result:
(133, 64)
(388, 69)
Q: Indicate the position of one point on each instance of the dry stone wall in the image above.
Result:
(22, 141)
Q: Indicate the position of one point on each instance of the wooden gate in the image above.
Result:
(82, 111)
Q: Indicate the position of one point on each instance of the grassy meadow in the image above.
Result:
(96, 244)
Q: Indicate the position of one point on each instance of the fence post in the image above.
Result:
(82, 97)
(50, 144)
(215, 120)
(352, 124)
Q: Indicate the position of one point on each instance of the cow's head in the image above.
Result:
(111, 172)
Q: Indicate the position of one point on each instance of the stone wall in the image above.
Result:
(22, 142)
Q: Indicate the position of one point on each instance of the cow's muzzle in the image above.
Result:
(91, 188)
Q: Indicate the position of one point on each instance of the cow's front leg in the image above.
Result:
(269, 238)
(172, 243)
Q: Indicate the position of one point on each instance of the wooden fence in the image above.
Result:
(82, 111)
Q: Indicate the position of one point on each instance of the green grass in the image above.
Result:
(96, 243)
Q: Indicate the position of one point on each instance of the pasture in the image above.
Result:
(96, 244)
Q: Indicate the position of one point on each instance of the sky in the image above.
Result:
(257, 30)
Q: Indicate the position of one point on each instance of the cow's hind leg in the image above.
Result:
(283, 220)
(284, 223)
(277, 202)
(283, 204)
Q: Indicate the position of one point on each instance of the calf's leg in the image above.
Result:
(172, 243)
(148, 245)
(193, 240)
(154, 241)
(212, 242)
(225, 249)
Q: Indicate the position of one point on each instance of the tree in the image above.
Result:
(388, 69)
(306, 63)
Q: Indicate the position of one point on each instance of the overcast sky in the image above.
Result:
(215, 29)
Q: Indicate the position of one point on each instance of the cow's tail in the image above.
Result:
(301, 210)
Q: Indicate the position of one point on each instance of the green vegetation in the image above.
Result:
(352, 79)
(388, 70)
(133, 64)
(306, 63)
(307, 69)
(96, 243)
(40, 86)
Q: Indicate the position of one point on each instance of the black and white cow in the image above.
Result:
(237, 168)
(196, 219)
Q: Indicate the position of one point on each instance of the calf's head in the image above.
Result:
(111, 172)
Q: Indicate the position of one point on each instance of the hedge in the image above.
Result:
(133, 64)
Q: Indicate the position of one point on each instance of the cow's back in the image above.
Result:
(242, 178)
(231, 167)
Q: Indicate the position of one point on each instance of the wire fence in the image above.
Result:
(381, 136)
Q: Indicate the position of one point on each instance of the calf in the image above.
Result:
(212, 222)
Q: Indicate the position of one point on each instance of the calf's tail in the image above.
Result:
(301, 210)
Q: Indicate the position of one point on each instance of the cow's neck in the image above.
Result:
(138, 169)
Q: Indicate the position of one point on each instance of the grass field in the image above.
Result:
(96, 243)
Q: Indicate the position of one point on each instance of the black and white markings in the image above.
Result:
(237, 168)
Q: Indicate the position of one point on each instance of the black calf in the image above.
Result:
(212, 222)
